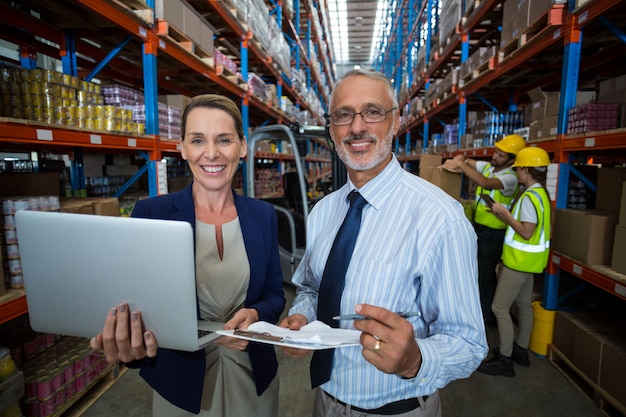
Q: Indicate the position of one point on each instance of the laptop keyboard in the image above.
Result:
(202, 333)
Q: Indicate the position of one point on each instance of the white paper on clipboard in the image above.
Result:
(314, 336)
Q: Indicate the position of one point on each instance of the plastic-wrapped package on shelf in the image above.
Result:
(449, 18)
(450, 137)
(121, 95)
(259, 22)
(241, 10)
(592, 117)
(279, 51)
(169, 119)
(225, 62)
(298, 79)
(257, 86)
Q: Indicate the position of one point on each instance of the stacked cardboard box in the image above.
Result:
(618, 261)
(544, 111)
(448, 181)
(187, 20)
(585, 235)
(594, 344)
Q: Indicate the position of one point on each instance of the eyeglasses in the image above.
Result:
(369, 115)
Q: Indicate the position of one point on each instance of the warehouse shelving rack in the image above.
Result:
(127, 25)
(561, 37)
(148, 43)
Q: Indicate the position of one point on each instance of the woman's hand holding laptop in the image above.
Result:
(123, 338)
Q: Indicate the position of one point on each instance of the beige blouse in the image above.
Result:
(222, 284)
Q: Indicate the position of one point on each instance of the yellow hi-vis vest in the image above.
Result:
(529, 255)
(482, 215)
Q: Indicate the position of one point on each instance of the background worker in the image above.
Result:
(497, 179)
(414, 251)
(524, 254)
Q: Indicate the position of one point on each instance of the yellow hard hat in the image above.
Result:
(532, 157)
(511, 144)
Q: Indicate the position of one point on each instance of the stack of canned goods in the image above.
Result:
(9, 207)
(56, 376)
(56, 98)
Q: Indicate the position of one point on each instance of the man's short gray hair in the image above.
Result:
(375, 75)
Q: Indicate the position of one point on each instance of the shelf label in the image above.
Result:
(43, 134)
(132, 142)
(583, 16)
(162, 44)
(557, 34)
(577, 269)
(143, 32)
(620, 289)
(95, 139)
(590, 142)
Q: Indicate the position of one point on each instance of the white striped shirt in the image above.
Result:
(416, 250)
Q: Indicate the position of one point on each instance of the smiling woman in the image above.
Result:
(238, 280)
(212, 144)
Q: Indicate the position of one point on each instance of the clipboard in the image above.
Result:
(313, 336)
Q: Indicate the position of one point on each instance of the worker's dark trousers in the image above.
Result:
(489, 254)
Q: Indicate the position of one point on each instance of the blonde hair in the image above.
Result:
(213, 101)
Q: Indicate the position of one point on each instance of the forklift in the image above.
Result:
(296, 199)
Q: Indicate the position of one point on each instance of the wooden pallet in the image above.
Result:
(609, 406)
(173, 34)
(471, 6)
(136, 7)
(233, 78)
(547, 23)
(81, 402)
(444, 44)
(487, 66)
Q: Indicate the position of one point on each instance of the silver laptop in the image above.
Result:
(77, 266)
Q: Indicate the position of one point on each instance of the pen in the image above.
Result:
(403, 314)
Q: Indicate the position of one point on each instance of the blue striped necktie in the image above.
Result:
(333, 280)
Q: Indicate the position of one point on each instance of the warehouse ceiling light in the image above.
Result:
(338, 14)
(377, 47)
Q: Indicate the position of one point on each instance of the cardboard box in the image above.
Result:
(585, 235)
(613, 368)
(170, 10)
(208, 45)
(538, 8)
(609, 189)
(102, 206)
(580, 336)
(618, 260)
(30, 183)
(427, 162)
(179, 101)
(549, 126)
(448, 181)
(612, 90)
(565, 333)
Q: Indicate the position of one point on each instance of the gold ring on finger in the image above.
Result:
(377, 346)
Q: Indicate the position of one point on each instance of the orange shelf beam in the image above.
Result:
(13, 308)
(57, 136)
(121, 19)
(592, 276)
(594, 141)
